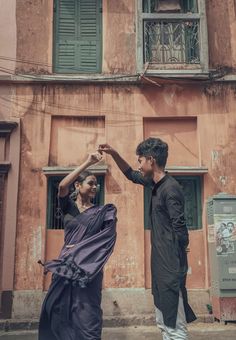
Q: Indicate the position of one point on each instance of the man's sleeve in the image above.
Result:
(136, 177)
(175, 207)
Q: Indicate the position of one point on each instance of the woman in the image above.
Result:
(72, 307)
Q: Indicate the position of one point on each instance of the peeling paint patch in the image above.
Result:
(214, 155)
(170, 93)
(37, 243)
(223, 180)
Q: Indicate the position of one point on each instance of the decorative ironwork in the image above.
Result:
(191, 188)
(55, 213)
(171, 42)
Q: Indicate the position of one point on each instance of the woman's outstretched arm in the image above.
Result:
(64, 185)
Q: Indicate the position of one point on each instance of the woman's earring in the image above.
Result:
(74, 194)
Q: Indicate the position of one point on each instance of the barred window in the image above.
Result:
(54, 214)
(174, 34)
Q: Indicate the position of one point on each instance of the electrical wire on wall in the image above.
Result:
(129, 118)
(43, 72)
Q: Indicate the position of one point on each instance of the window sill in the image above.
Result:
(178, 73)
(187, 170)
(100, 169)
(115, 79)
(4, 168)
(70, 79)
(6, 128)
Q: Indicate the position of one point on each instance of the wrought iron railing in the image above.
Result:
(171, 41)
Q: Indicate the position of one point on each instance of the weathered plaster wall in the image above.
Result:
(218, 33)
(124, 109)
(7, 36)
(34, 36)
(35, 151)
(119, 40)
(221, 21)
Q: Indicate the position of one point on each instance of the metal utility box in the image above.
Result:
(221, 213)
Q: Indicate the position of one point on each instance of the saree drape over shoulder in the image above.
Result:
(72, 307)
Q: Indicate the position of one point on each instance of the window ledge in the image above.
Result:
(183, 73)
(100, 169)
(116, 79)
(4, 167)
(227, 78)
(189, 170)
(6, 128)
(70, 78)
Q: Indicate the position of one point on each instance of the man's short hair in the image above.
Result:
(156, 148)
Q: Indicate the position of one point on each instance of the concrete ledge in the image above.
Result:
(139, 301)
(108, 322)
(116, 303)
(27, 304)
(18, 325)
(144, 320)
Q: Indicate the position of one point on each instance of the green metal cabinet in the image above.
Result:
(221, 217)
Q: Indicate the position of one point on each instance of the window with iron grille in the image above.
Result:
(191, 186)
(54, 214)
(172, 34)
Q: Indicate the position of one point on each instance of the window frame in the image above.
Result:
(203, 40)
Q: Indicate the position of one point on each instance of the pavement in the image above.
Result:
(198, 331)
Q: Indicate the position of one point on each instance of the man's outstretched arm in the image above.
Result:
(132, 175)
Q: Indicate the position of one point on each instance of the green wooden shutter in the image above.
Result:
(89, 35)
(77, 36)
(65, 35)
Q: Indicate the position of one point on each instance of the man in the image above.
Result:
(169, 236)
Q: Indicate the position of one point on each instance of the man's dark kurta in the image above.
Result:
(169, 240)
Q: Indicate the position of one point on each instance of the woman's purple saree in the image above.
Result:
(72, 307)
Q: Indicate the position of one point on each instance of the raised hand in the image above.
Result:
(94, 158)
(106, 148)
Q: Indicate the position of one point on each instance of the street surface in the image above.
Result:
(200, 331)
